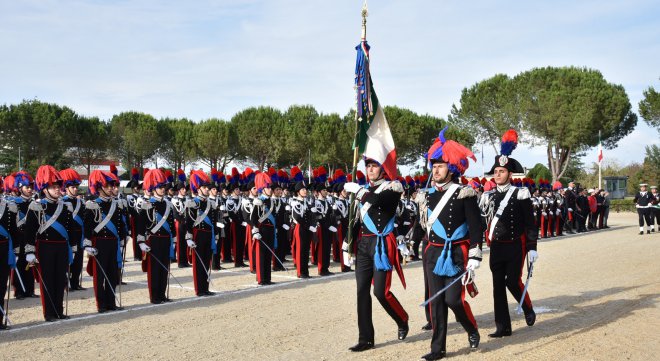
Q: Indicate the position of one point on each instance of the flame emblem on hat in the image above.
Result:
(503, 160)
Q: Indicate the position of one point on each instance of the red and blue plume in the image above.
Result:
(70, 177)
(557, 186)
(509, 142)
(181, 175)
(315, 175)
(155, 178)
(113, 169)
(8, 184)
(98, 179)
(435, 152)
(322, 174)
(349, 177)
(296, 174)
(410, 181)
(144, 172)
(453, 153)
(197, 179)
(361, 179)
(262, 180)
(248, 174)
(234, 173)
(340, 176)
(282, 176)
(221, 178)
(215, 177)
(135, 175)
(22, 178)
(475, 183)
(169, 176)
(46, 175)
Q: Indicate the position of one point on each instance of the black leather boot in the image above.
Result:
(474, 338)
(403, 332)
(362, 346)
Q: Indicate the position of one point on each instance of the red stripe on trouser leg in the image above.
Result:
(41, 288)
(393, 302)
(528, 301)
(195, 267)
(258, 261)
(543, 233)
(319, 251)
(176, 244)
(149, 272)
(428, 285)
(232, 230)
(248, 244)
(296, 238)
(557, 225)
(466, 305)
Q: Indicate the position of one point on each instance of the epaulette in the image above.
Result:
(523, 193)
(466, 192)
(69, 206)
(396, 186)
(146, 205)
(91, 205)
(35, 206)
(12, 207)
(190, 203)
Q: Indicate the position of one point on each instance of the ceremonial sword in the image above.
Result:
(530, 269)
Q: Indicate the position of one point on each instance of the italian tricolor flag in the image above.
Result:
(374, 138)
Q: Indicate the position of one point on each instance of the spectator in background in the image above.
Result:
(582, 205)
(599, 207)
(606, 208)
(593, 209)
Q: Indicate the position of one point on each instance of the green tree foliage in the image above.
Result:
(564, 108)
(216, 143)
(299, 122)
(135, 138)
(259, 131)
(649, 108)
(178, 143)
(539, 171)
(89, 141)
(487, 110)
(331, 142)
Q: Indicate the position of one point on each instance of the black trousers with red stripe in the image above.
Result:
(156, 274)
(302, 239)
(365, 274)
(506, 264)
(104, 285)
(181, 244)
(427, 309)
(53, 265)
(263, 256)
(323, 249)
(453, 298)
(201, 260)
(4, 270)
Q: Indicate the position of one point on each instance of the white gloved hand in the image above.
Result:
(473, 264)
(144, 247)
(558, 212)
(348, 260)
(287, 208)
(400, 239)
(286, 227)
(332, 229)
(74, 249)
(91, 251)
(570, 209)
(314, 210)
(258, 202)
(223, 208)
(334, 206)
(312, 229)
(532, 256)
(544, 214)
(244, 224)
(256, 236)
(469, 277)
(30, 258)
(352, 187)
(405, 252)
(191, 243)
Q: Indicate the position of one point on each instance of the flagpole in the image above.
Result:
(350, 237)
(600, 161)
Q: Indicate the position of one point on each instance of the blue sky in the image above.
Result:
(203, 59)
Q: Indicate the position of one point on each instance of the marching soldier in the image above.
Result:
(643, 202)
(104, 231)
(262, 227)
(236, 228)
(305, 225)
(71, 180)
(201, 231)
(341, 209)
(8, 211)
(24, 183)
(450, 214)
(51, 245)
(281, 219)
(326, 229)
(377, 252)
(511, 234)
(156, 232)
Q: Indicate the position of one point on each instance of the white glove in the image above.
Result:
(191, 243)
(473, 264)
(286, 227)
(314, 210)
(144, 247)
(334, 206)
(74, 249)
(223, 208)
(469, 277)
(287, 208)
(257, 236)
(400, 239)
(91, 251)
(348, 260)
(405, 252)
(244, 224)
(332, 229)
(258, 202)
(570, 209)
(30, 258)
(312, 229)
(352, 187)
(544, 214)
(220, 224)
(558, 212)
(217, 237)
(532, 256)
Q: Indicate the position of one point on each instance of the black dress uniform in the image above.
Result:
(570, 199)
(236, 229)
(156, 228)
(326, 229)
(263, 229)
(104, 231)
(201, 229)
(134, 201)
(53, 249)
(458, 229)
(21, 248)
(282, 219)
(377, 241)
(76, 235)
(304, 219)
(179, 204)
(8, 212)
(643, 203)
(514, 235)
(341, 213)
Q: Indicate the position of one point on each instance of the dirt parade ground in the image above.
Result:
(596, 296)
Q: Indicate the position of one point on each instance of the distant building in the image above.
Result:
(616, 186)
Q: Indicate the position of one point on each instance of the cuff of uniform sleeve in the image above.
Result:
(87, 243)
(255, 230)
(29, 248)
(141, 239)
(475, 253)
(188, 235)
